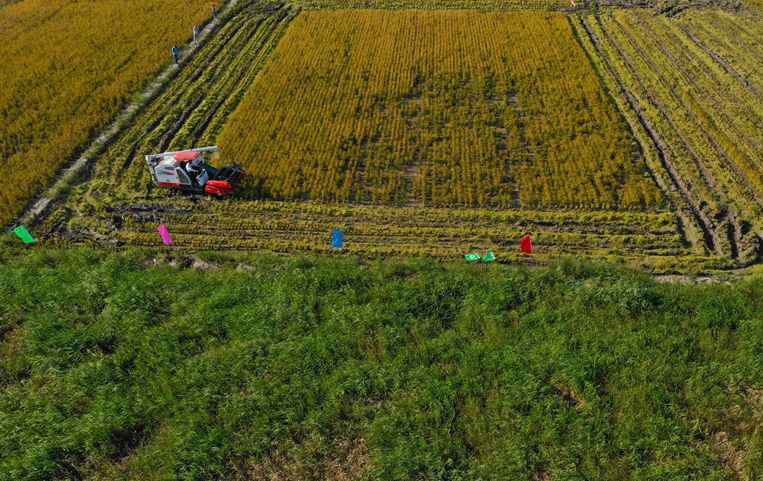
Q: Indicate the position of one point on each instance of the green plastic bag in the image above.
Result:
(472, 257)
(24, 235)
(489, 257)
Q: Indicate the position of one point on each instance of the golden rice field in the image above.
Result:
(434, 4)
(616, 134)
(119, 204)
(68, 67)
(436, 108)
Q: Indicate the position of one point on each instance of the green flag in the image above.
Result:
(489, 257)
(472, 257)
(24, 235)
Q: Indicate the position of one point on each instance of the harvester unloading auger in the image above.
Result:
(189, 171)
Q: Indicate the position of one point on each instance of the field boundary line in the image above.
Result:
(69, 173)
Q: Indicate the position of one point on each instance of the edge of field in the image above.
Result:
(242, 260)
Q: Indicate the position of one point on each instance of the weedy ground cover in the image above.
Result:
(299, 368)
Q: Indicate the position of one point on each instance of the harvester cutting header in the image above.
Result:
(189, 171)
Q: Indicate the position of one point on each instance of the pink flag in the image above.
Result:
(165, 235)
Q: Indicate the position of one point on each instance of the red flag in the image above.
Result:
(526, 245)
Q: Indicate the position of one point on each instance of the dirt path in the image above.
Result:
(70, 173)
(186, 260)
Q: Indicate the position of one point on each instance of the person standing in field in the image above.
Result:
(214, 10)
(196, 170)
(175, 54)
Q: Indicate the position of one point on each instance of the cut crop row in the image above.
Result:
(690, 100)
(193, 108)
(380, 231)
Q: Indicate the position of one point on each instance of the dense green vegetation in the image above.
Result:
(113, 368)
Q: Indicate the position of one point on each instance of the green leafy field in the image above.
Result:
(273, 368)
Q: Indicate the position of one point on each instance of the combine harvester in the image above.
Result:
(188, 171)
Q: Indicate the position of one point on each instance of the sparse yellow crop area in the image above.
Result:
(436, 108)
(68, 68)
(436, 4)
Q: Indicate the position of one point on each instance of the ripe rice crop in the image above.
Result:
(68, 67)
(121, 204)
(436, 108)
(434, 4)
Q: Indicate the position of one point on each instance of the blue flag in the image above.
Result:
(337, 239)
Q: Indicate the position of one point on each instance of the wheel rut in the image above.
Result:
(710, 236)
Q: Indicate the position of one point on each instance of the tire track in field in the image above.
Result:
(725, 65)
(706, 176)
(727, 172)
(718, 110)
(700, 217)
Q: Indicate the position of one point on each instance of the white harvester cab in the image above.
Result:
(170, 169)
